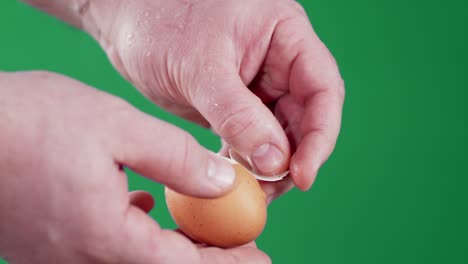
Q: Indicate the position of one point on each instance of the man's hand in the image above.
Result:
(63, 190)
(254, 70)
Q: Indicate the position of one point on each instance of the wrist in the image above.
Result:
(97, 18)
(69, 10)
(93, 16)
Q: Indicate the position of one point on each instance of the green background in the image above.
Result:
(394, 189)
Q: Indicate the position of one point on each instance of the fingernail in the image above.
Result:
(267, 158)
(221, 173)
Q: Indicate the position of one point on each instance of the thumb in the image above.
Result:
(244, 122)
(168, 155)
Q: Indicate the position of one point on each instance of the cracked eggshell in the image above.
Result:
(234, 219)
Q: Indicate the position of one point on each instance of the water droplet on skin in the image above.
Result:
(146, 13)
(148, 54)
(130, 39)
(214, 106)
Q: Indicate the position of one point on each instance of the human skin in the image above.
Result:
(253, 70)
(63, 190)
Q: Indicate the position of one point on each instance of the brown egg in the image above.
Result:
(232, 220)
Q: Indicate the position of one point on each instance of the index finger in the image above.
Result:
(316, 82)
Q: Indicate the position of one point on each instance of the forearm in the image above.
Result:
(70, 11)
(92, 16)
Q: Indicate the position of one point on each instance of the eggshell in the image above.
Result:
(231, 220)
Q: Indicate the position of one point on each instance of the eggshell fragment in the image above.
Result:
(233, 219)
(236, 158)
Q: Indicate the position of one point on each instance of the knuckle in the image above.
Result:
(187, 143)
(182, 159)
(335, 87)
(335, 81)
(331, 88)
(288, 8)
(298, 7)
(341, 89)
(237, 122)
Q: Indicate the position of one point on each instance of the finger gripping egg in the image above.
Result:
(234, 219)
